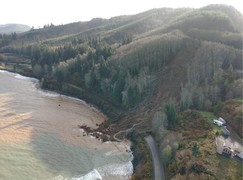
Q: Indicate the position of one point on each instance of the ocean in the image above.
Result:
(40, 138)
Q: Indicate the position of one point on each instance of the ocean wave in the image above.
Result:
(125, 170)
(47, 93)
(110, 153)
(76, 99)
(6, 72)
(92, 175)
(18, 76)
(59, 178)
(35, 85)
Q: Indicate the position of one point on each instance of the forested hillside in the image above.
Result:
(131, 67)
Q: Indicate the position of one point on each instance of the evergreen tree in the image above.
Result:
(171, 115)
(195, 149)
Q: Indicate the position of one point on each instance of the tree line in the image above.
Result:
(89, 64)
(210, 76)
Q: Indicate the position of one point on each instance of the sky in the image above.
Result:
(37, 13)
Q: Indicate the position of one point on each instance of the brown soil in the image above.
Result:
(168, 85)
(100, 133)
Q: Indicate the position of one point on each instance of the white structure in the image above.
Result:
(219, 123)
(222, 120)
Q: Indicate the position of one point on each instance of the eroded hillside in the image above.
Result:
(132, 66)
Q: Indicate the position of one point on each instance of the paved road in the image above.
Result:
(158, 166)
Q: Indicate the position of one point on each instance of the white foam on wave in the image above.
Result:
(6, 72)
(59, 178)
(36, 87)
(125, 170)
(48, 93)
(92, 175)
(75, 99)
(18, 76)
(110, 153)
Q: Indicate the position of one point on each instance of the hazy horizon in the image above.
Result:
(40, 13)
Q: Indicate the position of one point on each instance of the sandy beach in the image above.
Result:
(41, 138)
(60, 116)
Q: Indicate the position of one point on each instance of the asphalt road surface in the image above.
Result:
(158, 166)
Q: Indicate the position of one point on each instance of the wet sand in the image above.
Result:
(60, 115)
(42, 129)
(11, 123)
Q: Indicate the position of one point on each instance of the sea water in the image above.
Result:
(40, 138)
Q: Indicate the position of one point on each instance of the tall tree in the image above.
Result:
(171, 115)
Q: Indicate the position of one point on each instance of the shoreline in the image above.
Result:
(97, 131)
(102, 127)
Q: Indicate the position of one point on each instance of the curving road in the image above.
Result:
(158, 166)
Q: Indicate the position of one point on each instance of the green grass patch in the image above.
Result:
(208, 116)
(239, 100)
(228, 168)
